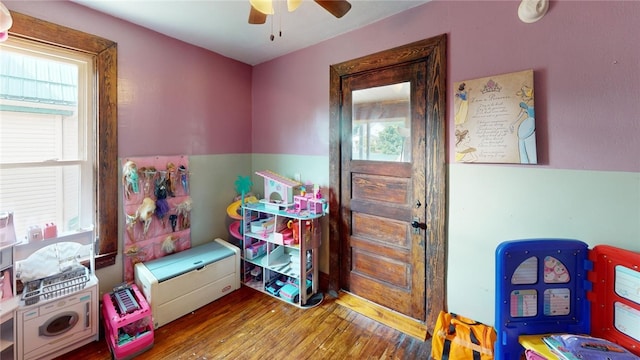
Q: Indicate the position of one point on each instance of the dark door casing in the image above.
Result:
(432, 53)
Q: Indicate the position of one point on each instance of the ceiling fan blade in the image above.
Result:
(256, 17)
(337, 8)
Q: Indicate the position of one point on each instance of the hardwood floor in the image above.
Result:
(247, 324)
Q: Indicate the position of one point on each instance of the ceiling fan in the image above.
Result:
(261, 8)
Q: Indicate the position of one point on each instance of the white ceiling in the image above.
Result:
(221, 25)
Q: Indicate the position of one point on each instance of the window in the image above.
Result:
(381, 126)
(104, 187)
(46, 136)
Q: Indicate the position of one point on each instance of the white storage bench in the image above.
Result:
(179, 283)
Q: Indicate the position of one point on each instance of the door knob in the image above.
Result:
(415, 224)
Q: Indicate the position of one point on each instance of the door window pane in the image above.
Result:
(381, 126)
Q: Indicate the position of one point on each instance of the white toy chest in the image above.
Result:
(179, 283)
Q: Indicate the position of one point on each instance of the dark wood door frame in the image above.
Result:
(433, 51)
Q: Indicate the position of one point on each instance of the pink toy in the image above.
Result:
(316, 206)
(255, 250)
(5, 285)
(301, 202)
(50, 231)
(136, 326)
(6, 21)
(277, 187)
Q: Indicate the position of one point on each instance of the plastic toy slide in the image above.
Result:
(234, 230)
(233, 210)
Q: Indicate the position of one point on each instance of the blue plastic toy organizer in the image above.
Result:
(550, 286)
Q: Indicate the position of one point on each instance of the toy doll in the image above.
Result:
(161, 192)
(131, 221)
(149, 173)
(171, 179)
(136, 254)
(184, 178)
(130, 178)
(169, 244)
(173, 220)
(184, 212)
(145, 213)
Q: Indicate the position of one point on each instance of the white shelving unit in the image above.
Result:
(8, 305)
(270, 265)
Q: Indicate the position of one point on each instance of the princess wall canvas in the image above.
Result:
(495, 119)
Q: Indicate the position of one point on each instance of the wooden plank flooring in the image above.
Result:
(247, 324)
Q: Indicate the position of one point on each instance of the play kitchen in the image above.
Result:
(49, 291)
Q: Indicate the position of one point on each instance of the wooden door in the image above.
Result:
(383, 189)
(387, 209)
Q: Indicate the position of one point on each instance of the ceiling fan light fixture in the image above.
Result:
(263, 6)
(260, 9)
(293, 4)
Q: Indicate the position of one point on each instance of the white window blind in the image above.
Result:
(47, 149)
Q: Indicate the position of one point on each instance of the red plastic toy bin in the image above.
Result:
(128, 334)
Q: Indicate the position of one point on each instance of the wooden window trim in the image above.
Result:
(106, 54)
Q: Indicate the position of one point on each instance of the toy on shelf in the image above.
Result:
(233, 210)
(7, 229)
(291, 290)
(243, 187)
(278, 190)
(6, 291)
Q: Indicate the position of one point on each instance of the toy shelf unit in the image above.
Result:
(280, 252)
(8, 300)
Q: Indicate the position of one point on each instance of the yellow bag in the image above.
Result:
(458, 338)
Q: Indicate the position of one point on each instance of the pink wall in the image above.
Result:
(584, 55)
(173, 98)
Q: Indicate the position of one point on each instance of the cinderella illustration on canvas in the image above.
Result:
(526, 128)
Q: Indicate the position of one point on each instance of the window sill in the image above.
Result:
(105, 260)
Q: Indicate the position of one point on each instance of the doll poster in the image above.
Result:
(495, 119)
(157, 209)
